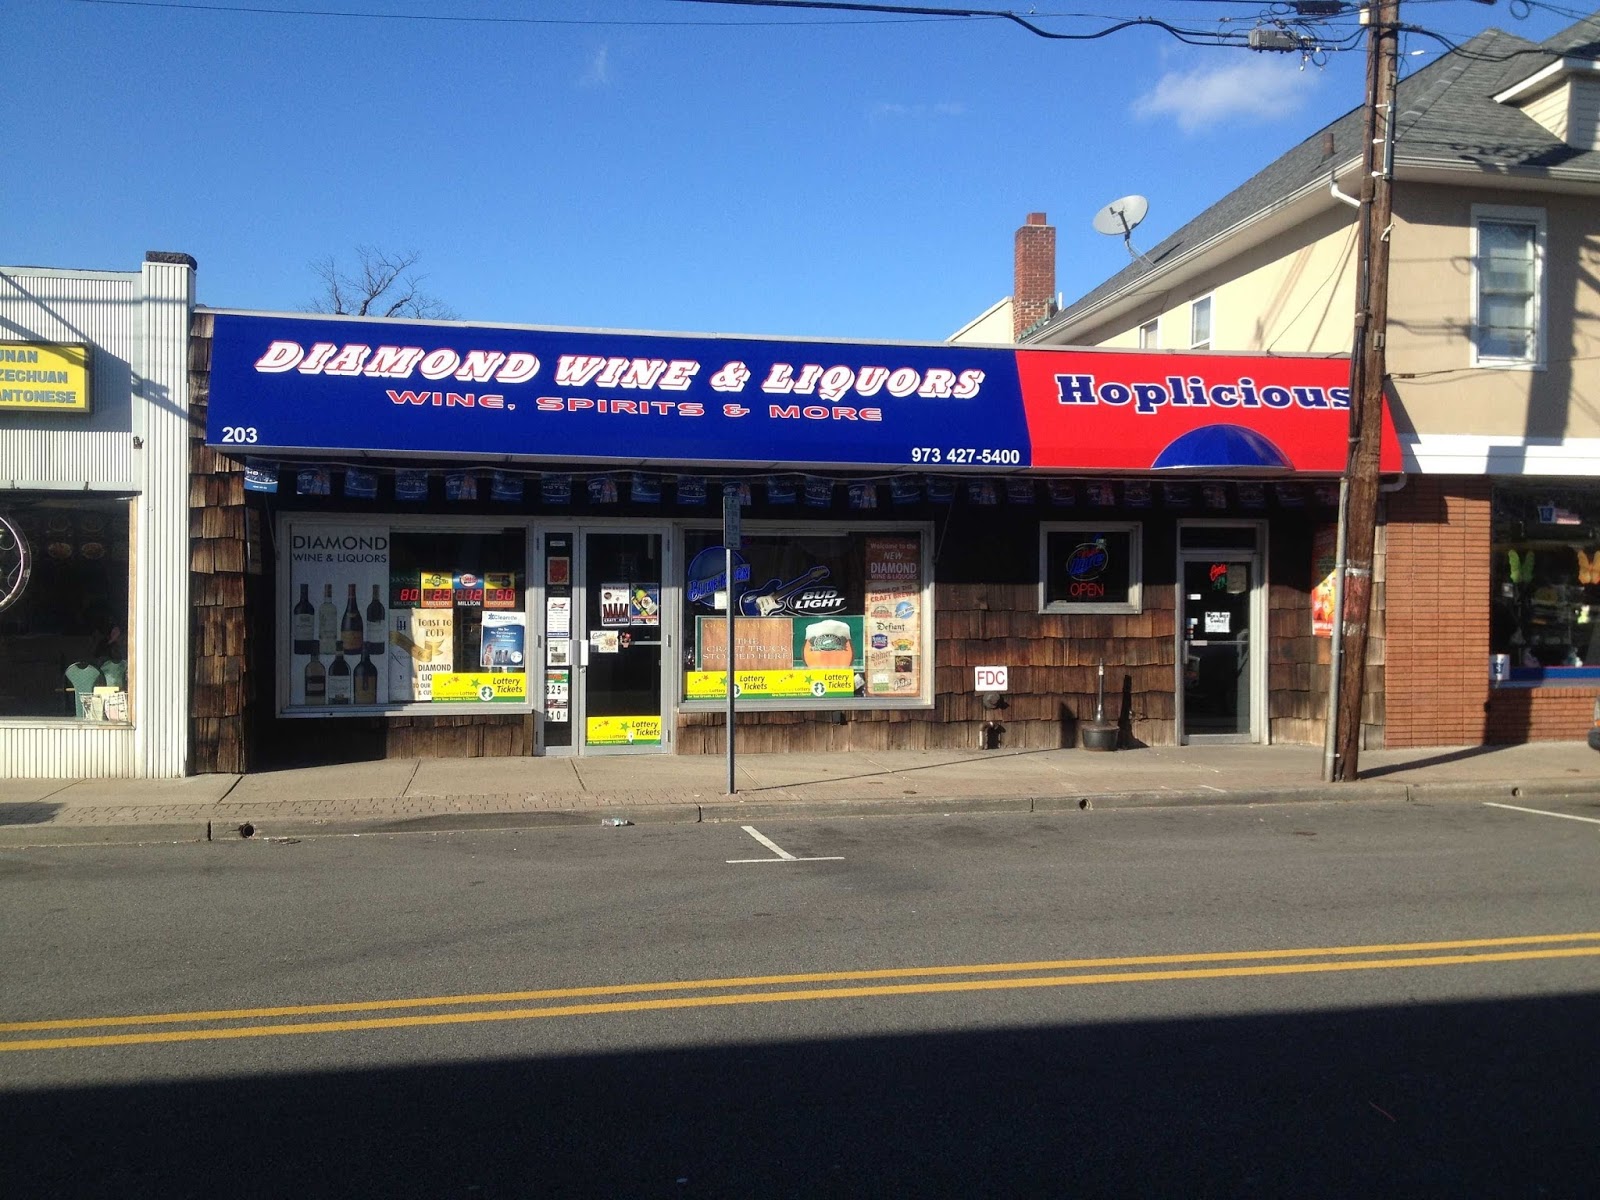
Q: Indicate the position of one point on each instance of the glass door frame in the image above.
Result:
(577, 700)
(1258, 645)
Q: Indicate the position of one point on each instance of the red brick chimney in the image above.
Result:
(1033, 291)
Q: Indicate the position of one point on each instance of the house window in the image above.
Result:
(1090, 568)
(1508, 274)
(1147, 335)
(1200, 324)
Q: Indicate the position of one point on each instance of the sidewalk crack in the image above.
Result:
(72, 783)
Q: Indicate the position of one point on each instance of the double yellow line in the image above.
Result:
(225, 1024)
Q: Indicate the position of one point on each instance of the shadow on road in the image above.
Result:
(1470, 1099)
(32, 812)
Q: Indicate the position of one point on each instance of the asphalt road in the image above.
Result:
(1281, 1000)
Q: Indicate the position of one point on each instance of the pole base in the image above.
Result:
(1099, 735)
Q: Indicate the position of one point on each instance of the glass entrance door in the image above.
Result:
(1214, 617)
(618, 635)
(557, 554)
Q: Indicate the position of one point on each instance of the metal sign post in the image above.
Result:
(731, 534)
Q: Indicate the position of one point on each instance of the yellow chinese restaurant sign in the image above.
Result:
(487, 686)
(623, 731)
(35, 377)
(769, 685)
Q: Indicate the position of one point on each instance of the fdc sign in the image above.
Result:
(991, 679)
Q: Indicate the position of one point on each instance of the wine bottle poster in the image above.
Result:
(338, 620)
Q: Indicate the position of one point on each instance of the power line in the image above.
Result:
(1476, 55)
(1305, 34)
(461, 19)
(1325, 285)
(1193, 37)
(1312, 35)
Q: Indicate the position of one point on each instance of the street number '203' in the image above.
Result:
(239, 433)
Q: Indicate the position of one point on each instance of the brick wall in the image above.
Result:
(1437, 612)
(1033, 288)
(1440, 547)
(1549, 714)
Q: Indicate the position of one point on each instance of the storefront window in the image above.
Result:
(382, 617)
(822, 618)
(1089, 568)
(1545, 580)
(64, 608)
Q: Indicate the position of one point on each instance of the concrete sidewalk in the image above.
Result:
(442, 794)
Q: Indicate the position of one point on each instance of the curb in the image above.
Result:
(733, 810)
(1579, 789)
(1422, 793)
(1293, 794)
(40, 836)
(237, 826)
(740, 810)
(269, 826)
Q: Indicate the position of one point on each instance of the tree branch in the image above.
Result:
(382, 283)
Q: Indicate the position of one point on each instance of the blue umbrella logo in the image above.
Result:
(1212, 446)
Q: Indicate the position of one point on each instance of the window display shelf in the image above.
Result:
(1534, 676)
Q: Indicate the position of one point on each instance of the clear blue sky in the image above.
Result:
(642, 164)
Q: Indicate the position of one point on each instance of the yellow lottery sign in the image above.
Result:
(623, 731)
(43, 378)
(438, 589)
(770, 685)
(487, 687)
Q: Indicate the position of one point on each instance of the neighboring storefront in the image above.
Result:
(1545, 578)
(466, 540)
(1493, 609)
(93, 526)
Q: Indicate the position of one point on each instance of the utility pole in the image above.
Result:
(1358, 514)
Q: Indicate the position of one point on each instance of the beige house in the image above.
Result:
(1492, 535)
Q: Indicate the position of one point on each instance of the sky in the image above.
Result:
(647, 164)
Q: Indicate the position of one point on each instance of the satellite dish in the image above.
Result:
(1120, 218)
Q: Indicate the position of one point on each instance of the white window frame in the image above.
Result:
(1519, 216)
(288, 522)
(1135, 600)
(1150, 334)
(1210, 308)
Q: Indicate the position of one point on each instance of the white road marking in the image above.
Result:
(767, 842)
(1539, 812)
(783, 855)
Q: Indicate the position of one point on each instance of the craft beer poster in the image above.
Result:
(894, 617)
